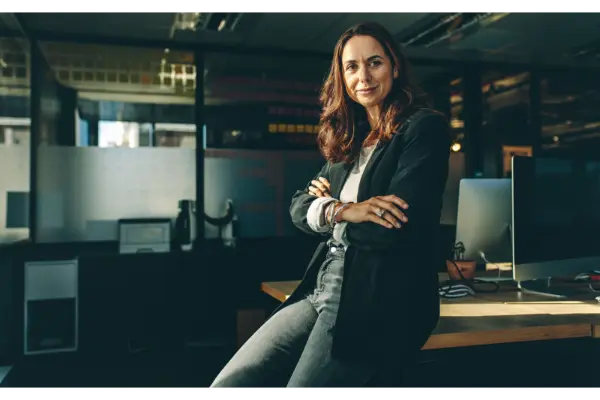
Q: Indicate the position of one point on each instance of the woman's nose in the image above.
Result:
(364, 75)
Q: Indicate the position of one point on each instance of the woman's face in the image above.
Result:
(367, 71)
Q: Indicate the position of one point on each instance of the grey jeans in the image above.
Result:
(293, 347)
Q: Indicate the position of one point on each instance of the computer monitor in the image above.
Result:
(484, 218)
(556, 219)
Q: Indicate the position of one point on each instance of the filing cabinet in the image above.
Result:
(51, 306)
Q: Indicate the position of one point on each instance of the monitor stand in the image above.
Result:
(544, 287)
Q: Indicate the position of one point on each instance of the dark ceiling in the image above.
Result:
(546, 35)
(434, 37)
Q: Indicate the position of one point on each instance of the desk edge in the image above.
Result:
(271, 291)
(527, 334)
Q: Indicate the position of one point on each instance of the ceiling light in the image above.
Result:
(457, 123)
(217, 22)
(222, 24)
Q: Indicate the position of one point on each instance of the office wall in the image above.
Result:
(83, 191)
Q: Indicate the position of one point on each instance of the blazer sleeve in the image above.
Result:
(301, 202)
(419, 179)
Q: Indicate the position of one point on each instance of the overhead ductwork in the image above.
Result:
(449, 28)
(586, 52)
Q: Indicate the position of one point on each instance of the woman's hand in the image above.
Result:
(320, 188)
(382, 210)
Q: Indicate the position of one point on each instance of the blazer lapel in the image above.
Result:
(369, 168)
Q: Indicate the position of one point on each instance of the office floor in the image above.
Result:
(189, 370)
(116, 376)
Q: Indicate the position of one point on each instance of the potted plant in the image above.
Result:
(459, 268)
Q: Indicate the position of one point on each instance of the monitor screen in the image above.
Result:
(556, 209)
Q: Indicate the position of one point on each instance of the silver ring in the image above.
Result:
(380, 213)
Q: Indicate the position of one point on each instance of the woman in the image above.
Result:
(368, 300)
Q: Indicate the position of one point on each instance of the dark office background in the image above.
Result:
(102, 121)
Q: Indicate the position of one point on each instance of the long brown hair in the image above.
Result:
(340, 113)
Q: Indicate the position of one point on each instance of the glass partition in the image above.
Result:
(15, 124)
(570, 116)
(124, 143)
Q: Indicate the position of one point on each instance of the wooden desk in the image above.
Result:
(507, 316)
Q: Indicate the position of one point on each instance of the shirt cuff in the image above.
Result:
(339, 233)
(316, 214)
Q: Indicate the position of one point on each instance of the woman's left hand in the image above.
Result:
(320, 188)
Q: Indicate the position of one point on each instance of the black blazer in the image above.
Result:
(389, 303)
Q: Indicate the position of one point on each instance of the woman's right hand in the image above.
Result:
(383, 210)
(320, 188)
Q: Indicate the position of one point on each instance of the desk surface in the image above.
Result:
(506, 316)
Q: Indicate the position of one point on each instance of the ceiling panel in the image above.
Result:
(294, 31)
(3, 23)
(491, 40)
(140, 25)
(394, 22)
(541, 34)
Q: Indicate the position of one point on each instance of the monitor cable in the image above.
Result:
(465, 286)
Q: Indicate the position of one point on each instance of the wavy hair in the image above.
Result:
(337, 139)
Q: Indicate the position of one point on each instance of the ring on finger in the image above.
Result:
(380, 212)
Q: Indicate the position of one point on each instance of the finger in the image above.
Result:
(319, 185)
(381, 221)
(396, 200)
(392, 219)
(389, 216)
(326, 183)
(317, 192)
(314, 191)
(389, 219)
(394, 214)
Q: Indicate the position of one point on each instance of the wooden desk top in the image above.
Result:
(506, 316)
